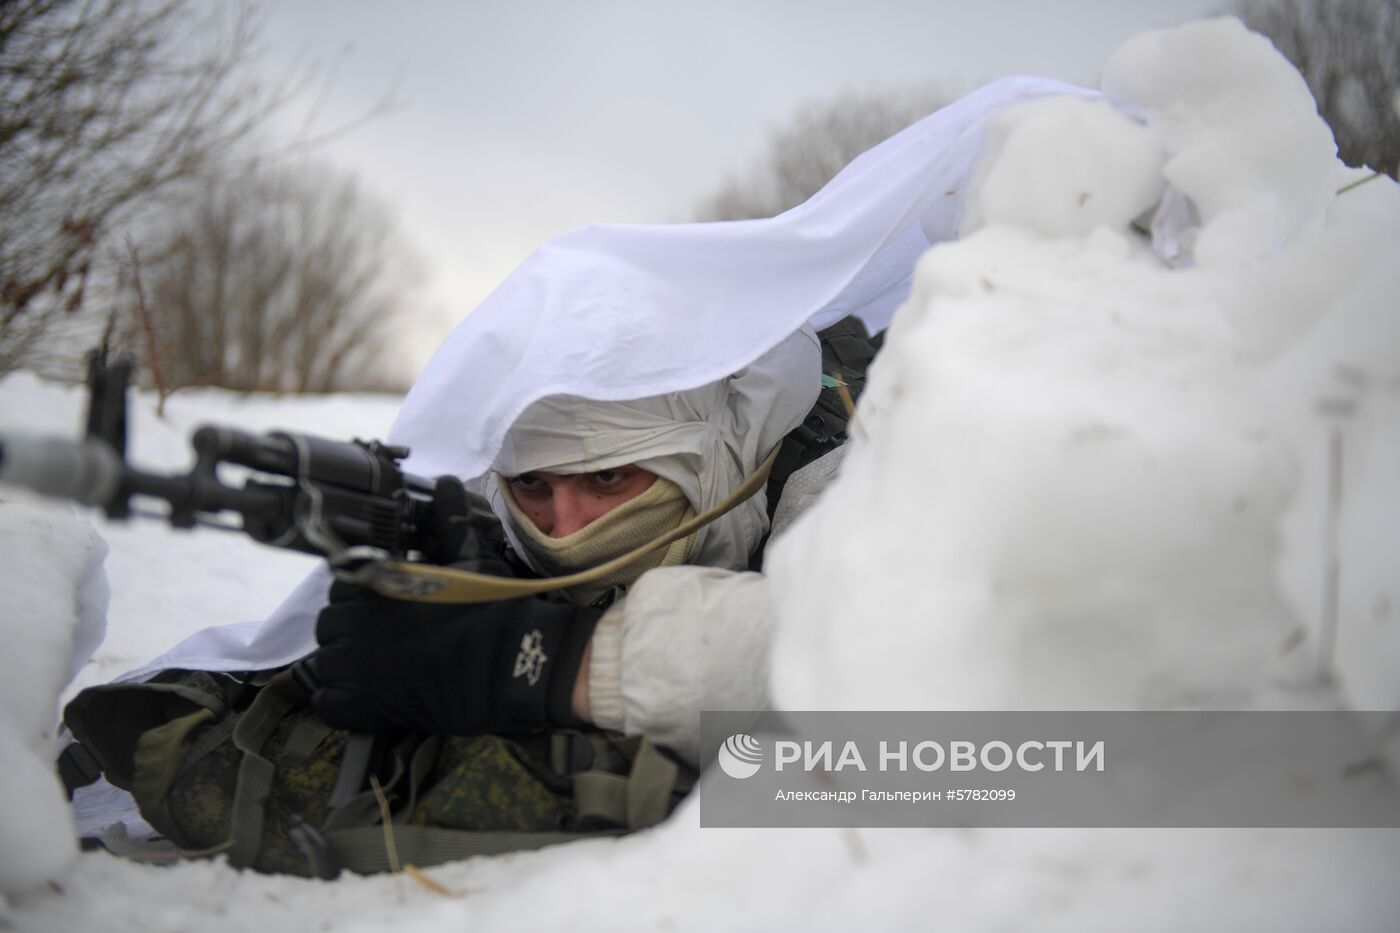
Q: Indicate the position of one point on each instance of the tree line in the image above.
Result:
(139, 206)
(1348, 51)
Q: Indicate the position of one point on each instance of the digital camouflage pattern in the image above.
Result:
(185, 774)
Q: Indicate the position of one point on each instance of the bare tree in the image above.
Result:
(275, 279)
(104, 104)
(1349, 53)
(818, 142)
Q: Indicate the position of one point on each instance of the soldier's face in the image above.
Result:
(559, 504)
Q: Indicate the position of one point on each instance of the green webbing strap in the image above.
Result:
(559, 752)
(308, 733)
(363, 808)
(427, 583)
(208, 740)
(599, 795)
(420, 763)
(650, 786)
(281, 695)
(640, 799)
(361, 850)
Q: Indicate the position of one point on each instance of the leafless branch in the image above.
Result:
(276, 279)
(108, 110)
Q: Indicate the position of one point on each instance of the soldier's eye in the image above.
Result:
(528, 484)
(608, 478)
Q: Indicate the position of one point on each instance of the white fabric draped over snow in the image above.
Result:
(612, 312)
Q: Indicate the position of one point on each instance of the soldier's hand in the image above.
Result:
(509, 666)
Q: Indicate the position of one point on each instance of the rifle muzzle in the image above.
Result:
(86, 471)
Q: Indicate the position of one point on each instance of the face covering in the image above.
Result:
(661, 508)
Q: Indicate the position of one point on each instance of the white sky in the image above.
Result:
(521, 120)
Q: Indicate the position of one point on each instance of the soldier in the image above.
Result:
(643, 649)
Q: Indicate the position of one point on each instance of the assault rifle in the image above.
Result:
(375, 525)
(348, 502)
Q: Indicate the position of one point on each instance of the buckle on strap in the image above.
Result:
(77, 767)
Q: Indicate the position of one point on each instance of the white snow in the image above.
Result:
(1242, 132)
(55, 601)
(1062, 167)
(1082, 479)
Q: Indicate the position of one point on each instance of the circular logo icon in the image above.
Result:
(740, 756)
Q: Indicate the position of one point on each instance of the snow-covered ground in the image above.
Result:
(1082, 479)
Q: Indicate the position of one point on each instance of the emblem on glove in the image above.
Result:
(529, 663)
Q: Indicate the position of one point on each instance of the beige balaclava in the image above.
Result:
(661, 508)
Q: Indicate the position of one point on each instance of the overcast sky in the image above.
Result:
(517, 120)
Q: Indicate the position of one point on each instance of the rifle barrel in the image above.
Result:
(89, 472)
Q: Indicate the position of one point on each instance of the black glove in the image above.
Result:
(386, 664)
(509, 666)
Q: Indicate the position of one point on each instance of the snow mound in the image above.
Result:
(1062, 167)
(1083, 479)
(1245, 144)
(55, 604)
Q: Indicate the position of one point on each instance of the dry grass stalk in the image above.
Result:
(387, 818)
(418, 875)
